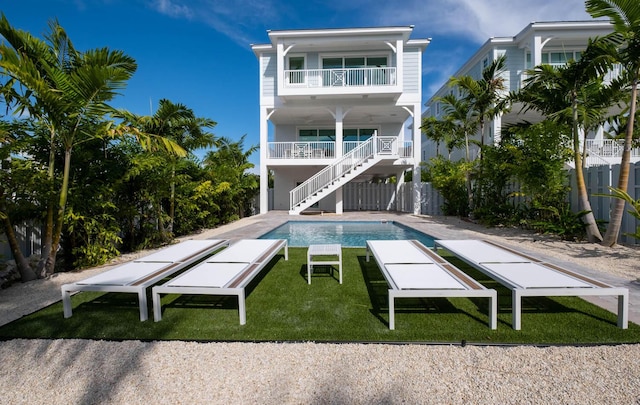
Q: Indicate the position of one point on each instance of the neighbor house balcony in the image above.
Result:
(365, 80)
(316, 152)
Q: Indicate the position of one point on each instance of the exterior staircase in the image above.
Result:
(342, 171)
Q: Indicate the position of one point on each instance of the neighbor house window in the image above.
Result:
(560, 58)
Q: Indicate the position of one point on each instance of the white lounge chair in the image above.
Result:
(413, 270)
(137, 275)
(527, 276)
(225, 273)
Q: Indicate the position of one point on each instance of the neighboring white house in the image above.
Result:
(337, 105)
(538, 43)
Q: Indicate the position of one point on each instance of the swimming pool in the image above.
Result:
(348, 234)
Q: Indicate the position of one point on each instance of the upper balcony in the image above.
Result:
(356, 78)
(362, 81)
(323, 152)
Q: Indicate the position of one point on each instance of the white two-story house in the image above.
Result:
(538, 43)
(337, 105)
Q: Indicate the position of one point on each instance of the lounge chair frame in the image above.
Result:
(467, 287)
(252, 266)
(590, 286)
(191, 252)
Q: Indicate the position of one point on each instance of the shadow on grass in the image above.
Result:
(282, 306)
(529, 305)
(378, 290)
(206, 301)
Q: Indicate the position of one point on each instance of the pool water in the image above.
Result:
(348, 234)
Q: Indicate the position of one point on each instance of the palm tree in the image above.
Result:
(178, 123)
(67, 91)
(573, 94)
(486, 96)
(625, 16)
(229, 163)
(459, 117)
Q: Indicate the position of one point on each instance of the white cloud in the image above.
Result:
(239, 20)
(478, 20)
(173, 9)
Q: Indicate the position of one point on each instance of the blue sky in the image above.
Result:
(197, 52)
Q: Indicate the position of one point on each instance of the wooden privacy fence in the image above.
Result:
(390, 197)
(598, 179)
(29, 237)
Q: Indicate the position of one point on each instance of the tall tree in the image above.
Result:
(459, 116)
(625, 16)
(230, 163)
(573, 94)
(486, 96)
(178, 123)
(67, 91)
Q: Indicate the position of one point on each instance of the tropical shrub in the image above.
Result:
(449, 178)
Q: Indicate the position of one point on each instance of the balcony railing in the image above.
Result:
(351, 77)
(388, 145)
(302, 150)
(614, 73)
(609, 148)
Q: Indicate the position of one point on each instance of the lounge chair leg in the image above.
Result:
(241, 307)
(157, 307)
(66, 303)
(142, 297)
(493, 312)
(392, 305)
(623, 314)
(516, 308)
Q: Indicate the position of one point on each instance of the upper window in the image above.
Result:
(296, 69)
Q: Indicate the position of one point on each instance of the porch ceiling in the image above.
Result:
(357, 115)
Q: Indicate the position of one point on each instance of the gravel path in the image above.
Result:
(134, 372)
(83, 372)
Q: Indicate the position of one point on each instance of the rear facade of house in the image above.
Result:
(337, 106)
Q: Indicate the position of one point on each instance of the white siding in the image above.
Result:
(269, 73)
(412, 70)
(515, 66)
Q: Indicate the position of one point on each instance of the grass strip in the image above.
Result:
(281, 306)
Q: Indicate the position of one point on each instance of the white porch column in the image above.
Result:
(339, 198)
(417, 149)
(536, 50)
(400, 63)
(339, 135)
(339, 150)
(399, 183)
(264, 170)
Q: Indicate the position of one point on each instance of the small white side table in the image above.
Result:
(324, 250)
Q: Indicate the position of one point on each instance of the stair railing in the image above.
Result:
(331, 173)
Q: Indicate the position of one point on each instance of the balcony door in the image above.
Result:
(296, 70)
(354, 70)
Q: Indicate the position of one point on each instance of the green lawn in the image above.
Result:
(281, 306)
